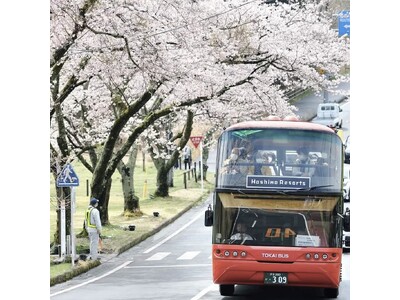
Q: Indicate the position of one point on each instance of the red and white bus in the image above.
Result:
(277, 214)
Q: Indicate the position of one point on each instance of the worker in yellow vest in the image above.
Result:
(339, 132)
(93, 227)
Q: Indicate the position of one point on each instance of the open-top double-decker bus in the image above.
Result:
(277, 211)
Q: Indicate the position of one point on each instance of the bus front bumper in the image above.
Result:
(313, 274)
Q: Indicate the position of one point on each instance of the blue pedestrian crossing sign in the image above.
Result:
(67, 177)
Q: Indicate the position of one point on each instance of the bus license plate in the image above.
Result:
(276, 278)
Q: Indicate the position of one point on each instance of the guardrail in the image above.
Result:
(187, 174)
(295, 93)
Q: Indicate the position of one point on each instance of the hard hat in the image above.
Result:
(93, 201)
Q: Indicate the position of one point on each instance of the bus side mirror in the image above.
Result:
(208, 217)
(346, 221)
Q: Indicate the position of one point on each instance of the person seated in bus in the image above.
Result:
(236, 163)
(303, 160)
(270, 158)
(241, 233)
(321, 169)
(268, 170)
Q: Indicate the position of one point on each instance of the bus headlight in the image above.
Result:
(226, 253)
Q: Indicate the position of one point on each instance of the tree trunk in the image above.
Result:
(170, 177)
(205, 168)
(163, 167)
(144, 160)
(103, 194)
(127, 171)
(162, 182)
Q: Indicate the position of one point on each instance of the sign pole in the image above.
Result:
(196, 140)
(62, 215)
(73, 197)
(67, 178)
(201, 162)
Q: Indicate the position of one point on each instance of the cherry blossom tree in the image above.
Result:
(165, 148)
(233, 60)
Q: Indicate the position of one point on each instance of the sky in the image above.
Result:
(374, 96)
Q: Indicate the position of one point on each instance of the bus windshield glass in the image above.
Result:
(279, 159)
(281, 221)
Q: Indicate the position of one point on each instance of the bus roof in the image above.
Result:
(281, 124)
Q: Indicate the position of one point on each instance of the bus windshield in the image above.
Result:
(276, 221)
(279, 159)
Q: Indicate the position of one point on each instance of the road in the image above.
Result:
(175, 264)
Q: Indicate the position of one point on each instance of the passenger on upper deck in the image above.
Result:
(236, 163)
(268, 170)
(303, 160)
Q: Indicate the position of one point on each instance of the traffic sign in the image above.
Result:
(344, 23)
(196, 140)
(67, 177)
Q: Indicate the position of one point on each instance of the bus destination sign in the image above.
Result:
(277, 182)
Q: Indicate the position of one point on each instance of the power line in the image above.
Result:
(204, 19)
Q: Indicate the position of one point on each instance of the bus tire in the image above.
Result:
(331, 293)
(226, 289)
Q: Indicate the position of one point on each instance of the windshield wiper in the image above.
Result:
(314, 187)
(285, 192)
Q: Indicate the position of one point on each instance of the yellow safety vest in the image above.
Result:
(89, 210)
(340, 134)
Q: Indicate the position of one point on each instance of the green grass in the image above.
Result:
(59, 269)
(116, 238)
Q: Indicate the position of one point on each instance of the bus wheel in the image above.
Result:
(226, 289)
(331, 293)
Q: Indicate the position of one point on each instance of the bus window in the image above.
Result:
(274, 152)
(269, 222)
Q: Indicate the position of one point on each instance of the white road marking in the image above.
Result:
(159, 256)
(92, 280)
(168, 266)
(175, 233)
(188, 255)
(205, 291)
